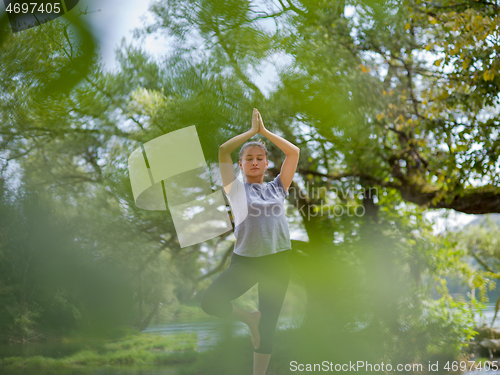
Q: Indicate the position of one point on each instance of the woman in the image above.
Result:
(262, 238)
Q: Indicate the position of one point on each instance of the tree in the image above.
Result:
(60, 140)
(360, 81)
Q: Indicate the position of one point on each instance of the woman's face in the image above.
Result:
(253, 161)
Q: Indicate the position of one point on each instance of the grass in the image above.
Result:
(133, 349)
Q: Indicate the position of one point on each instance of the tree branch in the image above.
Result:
(220, 266)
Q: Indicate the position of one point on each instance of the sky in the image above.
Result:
(113, 20)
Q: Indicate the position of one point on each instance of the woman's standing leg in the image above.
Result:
(273, 283)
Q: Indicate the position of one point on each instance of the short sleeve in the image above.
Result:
(236, 186)
(237, 201)
(278, 186)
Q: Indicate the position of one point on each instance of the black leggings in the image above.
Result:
(272, 272)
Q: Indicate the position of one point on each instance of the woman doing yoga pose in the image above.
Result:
(262, 238)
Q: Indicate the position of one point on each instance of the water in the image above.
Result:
(488, 314)
(209, 332)
(486, 318)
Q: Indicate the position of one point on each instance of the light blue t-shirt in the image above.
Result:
(261, 227)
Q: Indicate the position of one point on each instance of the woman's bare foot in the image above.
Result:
(251, 319)
(253, 324)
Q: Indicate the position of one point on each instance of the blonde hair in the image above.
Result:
(258, 143)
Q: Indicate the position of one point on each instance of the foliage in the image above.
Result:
(51, 283)
(396, 96)
(135, 349)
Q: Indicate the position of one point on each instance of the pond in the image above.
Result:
(209, 332)
(488, 314)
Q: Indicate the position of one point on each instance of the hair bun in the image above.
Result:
(258, 143)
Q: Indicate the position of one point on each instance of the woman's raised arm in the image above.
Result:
(291, 151)
(225, 150)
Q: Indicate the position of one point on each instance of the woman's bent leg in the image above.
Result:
(238, 278)
(229, 285)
